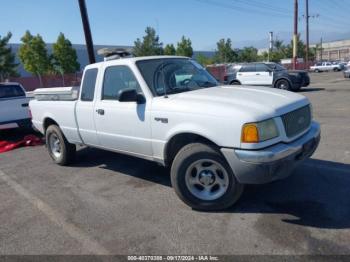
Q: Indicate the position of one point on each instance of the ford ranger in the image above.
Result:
(170, 110)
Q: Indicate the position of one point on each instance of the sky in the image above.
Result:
(121, 22)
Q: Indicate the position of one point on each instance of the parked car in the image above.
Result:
(326, 66)
(267, 74)
(170, 110)
(347, 73)
(14, 111)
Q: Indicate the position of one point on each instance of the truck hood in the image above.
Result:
(253, 103)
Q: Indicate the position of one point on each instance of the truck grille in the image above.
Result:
(297, 121)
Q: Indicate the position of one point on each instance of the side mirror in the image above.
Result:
(130, 95)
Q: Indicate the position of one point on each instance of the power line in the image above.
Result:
(243, 9)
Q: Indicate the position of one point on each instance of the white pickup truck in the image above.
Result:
(325, 66)
(14, 103)
(171, 110)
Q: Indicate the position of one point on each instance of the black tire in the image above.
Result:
(283, 84)
(185, 158)
(235, 83)
(317, 71)
(336, 69)
(67, 150)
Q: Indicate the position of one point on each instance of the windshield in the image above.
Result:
(275, 67)
(8, 91)
(174, 75)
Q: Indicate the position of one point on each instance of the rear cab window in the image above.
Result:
(88, 85)
(11, 91)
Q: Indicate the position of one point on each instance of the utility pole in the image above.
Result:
(270, 45)
(295, 35)
(321, 54)
(87, 31)
(307, 34)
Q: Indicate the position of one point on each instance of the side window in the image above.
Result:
(88, 86)
(117, 78)
(261, 68)
(248, 68)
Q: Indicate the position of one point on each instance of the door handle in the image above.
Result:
(25, 105)
(100, 111)
(257, 74)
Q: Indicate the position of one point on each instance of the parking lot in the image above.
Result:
(107, 203)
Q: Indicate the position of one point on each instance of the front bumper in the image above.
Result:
(272, 163)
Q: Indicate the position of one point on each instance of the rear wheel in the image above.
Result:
(235, 83)
(283, 84)
(203, 180)
(317, 70)
(60, 150)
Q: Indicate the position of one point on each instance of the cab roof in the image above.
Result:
(135, 59)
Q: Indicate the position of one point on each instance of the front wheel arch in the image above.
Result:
(178, 141)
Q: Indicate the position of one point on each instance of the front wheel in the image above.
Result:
(283, 84)
(60, 150)
(203, 180)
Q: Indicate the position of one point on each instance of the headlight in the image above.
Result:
(259, 132)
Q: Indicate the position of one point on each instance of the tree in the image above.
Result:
(204, 60)
(64, 57)
(150, 44)
(248, 54)
(184, 47)
(225, 53)
(8, 67)
(33, 54)
(169, 50)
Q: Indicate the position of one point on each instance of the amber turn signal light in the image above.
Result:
(250, 133)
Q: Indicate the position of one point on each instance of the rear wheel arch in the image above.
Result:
(235, 82)
(48, 121)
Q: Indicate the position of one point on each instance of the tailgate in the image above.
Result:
(15, 108)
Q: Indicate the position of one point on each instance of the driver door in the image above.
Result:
(122, 126)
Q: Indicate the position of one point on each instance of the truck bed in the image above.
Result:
(56, 104)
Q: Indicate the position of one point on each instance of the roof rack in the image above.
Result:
(114, 53)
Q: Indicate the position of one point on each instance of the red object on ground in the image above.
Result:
(29, 140)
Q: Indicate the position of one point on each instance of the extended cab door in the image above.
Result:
(122, 126)
(85, 107)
